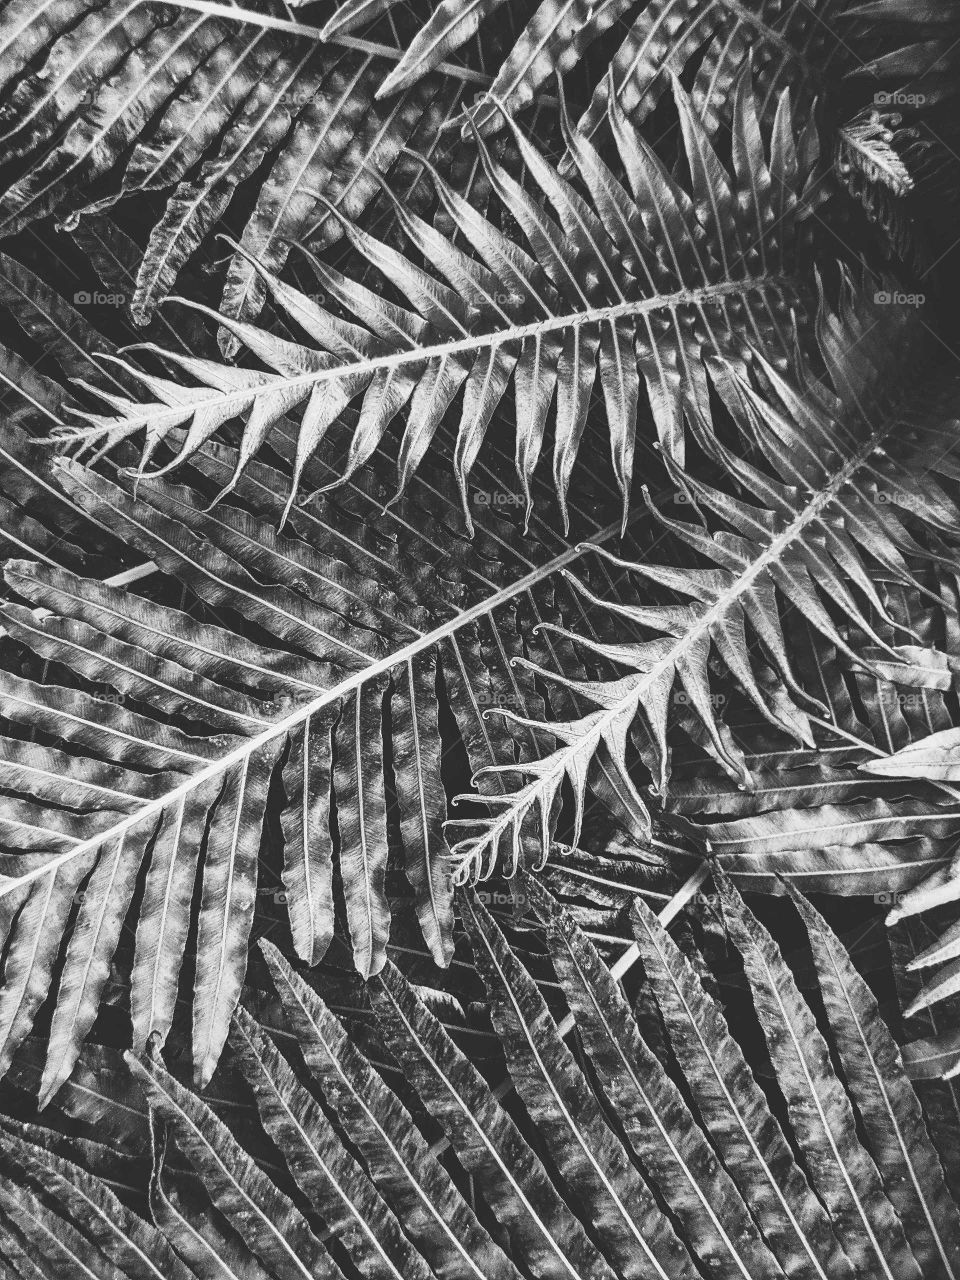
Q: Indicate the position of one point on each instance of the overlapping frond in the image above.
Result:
(793, 45)
(110, 100)
(873, 811)
(843, 481)
(163, 736)
(357, 1183)
(642, 287)
(933, 758)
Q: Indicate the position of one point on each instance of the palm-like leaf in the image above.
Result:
(648, 285)
(738, 1191)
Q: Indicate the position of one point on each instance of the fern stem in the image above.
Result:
(458, 346)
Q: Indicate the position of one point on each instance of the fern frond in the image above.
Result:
(869, 154)
(934, 758)
(748, 1204)
(896, 1133)
(846, 472)
(167, 751)
(649, 286)
(834, 820)
(841, 1170)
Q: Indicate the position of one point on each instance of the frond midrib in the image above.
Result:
(546, 782)
(468, 345)
(245, 751)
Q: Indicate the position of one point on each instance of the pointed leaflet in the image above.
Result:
(649, 1107)
(735, 1111)
(841, 1171)
(227, 902)
(416, 760)
(307, 839)
(334, 1184)
(93, 941)
(137, 1249)
(408, 1176)
(637, 1238)
(270, 1224)
(32, 948)
(362, 822)
(165, 916)
(543, 1232)
(936, 757)
(450, 25)
(894, 1124)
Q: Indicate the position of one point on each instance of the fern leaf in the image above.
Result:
(122, 1239)
(639, 1240)
(599, 290)
(408, 1176)
(795, 46)
(334, 1184)
(125, 99)
(734, 1109)
(167, 775)
(898, 1139)
(521, 1188)
(841, 1170)
(271, 1225)
(791, 545)
(210, 1252)
(542, 1229)
(651, 1111)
